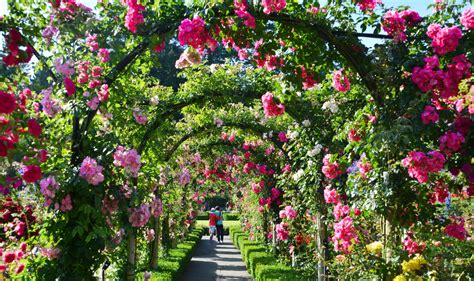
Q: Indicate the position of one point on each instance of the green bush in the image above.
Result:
(202, 217)
(159, 276)
(265, 272)
(231, 217)
(244, 244)
(249, 249)
(258, 257)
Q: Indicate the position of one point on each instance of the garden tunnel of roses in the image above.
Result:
(118, 121)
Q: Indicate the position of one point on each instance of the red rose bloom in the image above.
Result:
(7, 103)
(34, 128)
(32, 173)
(9, 257)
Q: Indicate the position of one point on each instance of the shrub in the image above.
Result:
(245, 244)
(249, 249)
(231, 217)
(265, 272)
(259, 257)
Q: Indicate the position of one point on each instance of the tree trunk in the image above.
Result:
(131, 260)
(165, 234)
(155, 251)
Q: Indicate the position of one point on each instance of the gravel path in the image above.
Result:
(215, 262)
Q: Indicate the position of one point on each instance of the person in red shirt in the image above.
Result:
(212, 223)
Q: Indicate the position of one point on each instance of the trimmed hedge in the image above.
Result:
(227, 216)
(259, 262)
(231, 217)
(172, 266)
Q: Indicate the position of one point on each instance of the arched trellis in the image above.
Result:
(257, 129)
(325, 32)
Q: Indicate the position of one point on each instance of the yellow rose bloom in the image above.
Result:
(374, 247)
(414, 264)
(399, 278)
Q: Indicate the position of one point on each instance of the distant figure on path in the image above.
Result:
(220, 225)
(212, 223)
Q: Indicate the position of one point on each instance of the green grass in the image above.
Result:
(227, 224)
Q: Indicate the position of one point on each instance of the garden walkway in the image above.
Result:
(216, 262)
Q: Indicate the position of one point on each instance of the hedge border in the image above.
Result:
(171, 267)
(260, 263)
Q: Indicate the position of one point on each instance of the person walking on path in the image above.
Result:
(212, 223)
(220, 225)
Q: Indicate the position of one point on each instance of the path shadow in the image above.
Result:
(200, 271)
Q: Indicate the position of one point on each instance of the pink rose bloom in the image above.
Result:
(193, 33)
(66, 68)
(270, 108)
(457, 230)
(410, 17)
(240, 9)
(330, 170)
(70, 87)
(66, 204)
(340, 211)
(104, 55)
(394, 25)
(288, 213)
(91, 172)
(129, 159)
(282, 137)
(103, 93)
(91, 42)
(134, 15)
(339, 82)
(429, 115)
(282, 232)
(331, 196)
(467, 18)
(93, 103)
(364, 166)
(445, 39)
(411, 246)
(34, 128)
(353, 136)
(270, 6)
(140, 216)
(367, 4)
(345, 235)
(451, 142)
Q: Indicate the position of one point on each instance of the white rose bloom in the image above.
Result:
(293, 134)
(331, 106)
(385, 176)
(298, 175)
(306, 123)
(315, 151)
(154, 100)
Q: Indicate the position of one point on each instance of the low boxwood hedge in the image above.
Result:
(259, 262)
(171, 267)
(265, 272)
(231, 217)
(259, 257)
